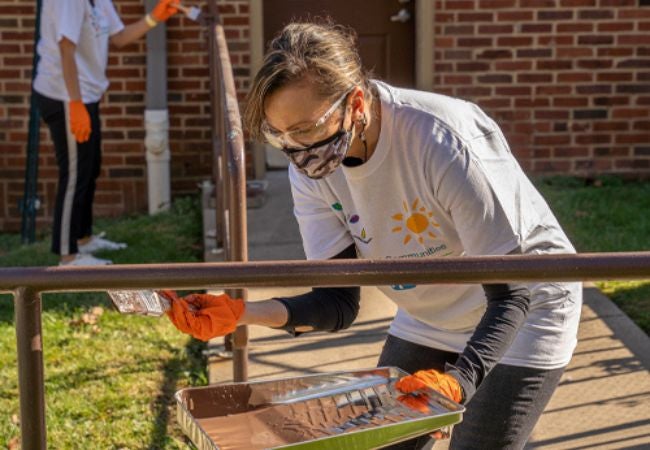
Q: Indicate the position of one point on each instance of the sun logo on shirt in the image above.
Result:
(415, 222)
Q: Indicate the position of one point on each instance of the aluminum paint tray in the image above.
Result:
(338, 410)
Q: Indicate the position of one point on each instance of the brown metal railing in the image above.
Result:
(229, 172)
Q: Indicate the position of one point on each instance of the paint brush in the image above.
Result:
(191, 12)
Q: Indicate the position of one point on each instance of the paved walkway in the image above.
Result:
(603, 401)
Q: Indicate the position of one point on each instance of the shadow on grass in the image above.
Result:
(66, 303)
(164, 405)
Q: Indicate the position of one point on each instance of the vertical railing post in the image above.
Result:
(217, 125)
(31, 381)
(234, 176)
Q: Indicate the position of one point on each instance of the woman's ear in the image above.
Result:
(358, 104)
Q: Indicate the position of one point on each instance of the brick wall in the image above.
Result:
(122, 185)
(568, 80)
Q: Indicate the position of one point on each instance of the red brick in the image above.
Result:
(571, 102)
(611, 126)
(459, 29)
(596, 39)
(574, 52)
(495, 29)
(532, 103)
(575, 27)
(457, 79)
(536, 28)
(552, 139)
(475, 17)
(618, 3)
(445, 42)
(571, 152)
(621, 113)
(615, 26)
(456, 54)
(554, 14)
(631, 138)
(613, 76)
(514, 16)
(555, 40)
(534, 77)
(638, 13)
(577, 3)
(554, 114)
(514, 41)
(614, 51)
(611, 100)
(556, 64)
(642, 125)
(460, 4)
(494, 54)
(496, 4)
(472, 67)
(513, 65)
(596, 64)
(513, 90)
(633, 39)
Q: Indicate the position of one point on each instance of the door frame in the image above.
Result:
(424, 19)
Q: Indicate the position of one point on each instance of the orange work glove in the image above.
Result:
(79, 120)
(204, 316)
(441, 382)
(164, 10)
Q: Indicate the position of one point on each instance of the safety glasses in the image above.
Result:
(294, 140)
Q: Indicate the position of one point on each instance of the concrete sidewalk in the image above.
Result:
(603, 401)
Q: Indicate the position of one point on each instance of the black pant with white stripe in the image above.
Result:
(79, 165)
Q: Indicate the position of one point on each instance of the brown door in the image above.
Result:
(386, 35)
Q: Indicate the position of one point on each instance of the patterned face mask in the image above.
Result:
(322, 158)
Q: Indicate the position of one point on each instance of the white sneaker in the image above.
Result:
(97, 243)
(86, 260)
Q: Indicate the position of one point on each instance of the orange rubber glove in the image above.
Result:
(79, 120)
(204, 316)
(438, 381)
(164, 10)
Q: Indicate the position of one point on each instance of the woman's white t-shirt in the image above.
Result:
(442, 182)
(89, 28)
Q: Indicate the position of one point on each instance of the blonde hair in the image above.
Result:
(324, 54)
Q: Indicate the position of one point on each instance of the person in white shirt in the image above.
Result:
(69, 83)
(383, 172)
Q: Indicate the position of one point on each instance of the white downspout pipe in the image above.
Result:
(158, 157)
(156, 119)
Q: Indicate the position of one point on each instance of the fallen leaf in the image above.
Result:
(13, 443)
(88, 318)
(97, 310)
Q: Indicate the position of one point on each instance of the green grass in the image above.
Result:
(607, 216)
(109, 384)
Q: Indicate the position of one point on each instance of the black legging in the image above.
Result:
(502, 413)
(79, 166)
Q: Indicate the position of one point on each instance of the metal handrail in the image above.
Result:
(230, 173)
(28, 282)
(338, 272)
